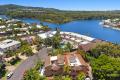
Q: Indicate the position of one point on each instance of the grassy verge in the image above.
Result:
(4, 78)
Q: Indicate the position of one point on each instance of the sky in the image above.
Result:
(68, 4)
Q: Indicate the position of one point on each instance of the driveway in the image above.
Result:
(27, 64)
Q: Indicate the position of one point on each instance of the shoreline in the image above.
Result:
(108, 26)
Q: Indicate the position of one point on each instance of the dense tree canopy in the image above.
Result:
(105, 62)
(54, 15)
(105, 67)
(2, 70)
(26, 49)
(109, 49)
(81, 76)
(32, 74)
(62, 78)
(64, 16)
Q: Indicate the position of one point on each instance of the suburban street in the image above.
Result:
(27, 64)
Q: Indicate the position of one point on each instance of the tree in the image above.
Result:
(38, 65)
(26, 49)
(62, 78)
(57, 78)
(43, 78)
(67, 78)
(45, 28)
(81, 76)
(56, 39)
(10, 53)
(39, 42)
(106, 68)
(109, 49)
(82, 53)
(69, 46)
(67, 69)
(32, 74)
(13, 61)
(2, 69)
(48, 42)
(58, 51)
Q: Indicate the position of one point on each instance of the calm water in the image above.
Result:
(86, 27)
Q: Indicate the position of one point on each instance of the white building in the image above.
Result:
(69, 35)
(1, 27)
(8, 45)
(46, 35)
(38, 26)
(13, 21)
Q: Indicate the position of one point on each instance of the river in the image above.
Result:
(86, 27)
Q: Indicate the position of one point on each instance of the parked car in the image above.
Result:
(87, 78)
(41, 70)
(9, 75)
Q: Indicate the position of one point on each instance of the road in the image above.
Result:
(27, 64)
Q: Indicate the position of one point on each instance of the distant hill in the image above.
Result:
(12, 7)
(54, 15)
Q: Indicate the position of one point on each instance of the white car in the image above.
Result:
(87, 78)
(41, 70)
(9, 75)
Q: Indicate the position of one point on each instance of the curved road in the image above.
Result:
(27, 64)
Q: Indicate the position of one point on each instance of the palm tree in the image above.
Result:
(32, 74)
(67, 69)
(81, 76)
(67, 78)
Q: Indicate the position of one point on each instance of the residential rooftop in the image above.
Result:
(7, 43)
(54, 65)
(70, 35)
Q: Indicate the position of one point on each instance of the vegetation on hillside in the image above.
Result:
(105, 62)
(54, 15)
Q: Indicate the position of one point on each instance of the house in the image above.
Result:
(46, 35)
(2, 26)
(8, 45)
(87, 46)
(13, 21)
(29, 39)
(54, 65)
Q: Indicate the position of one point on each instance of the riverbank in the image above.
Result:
(111, 23)
(108, 26)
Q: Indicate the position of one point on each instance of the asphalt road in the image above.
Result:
(27, 64)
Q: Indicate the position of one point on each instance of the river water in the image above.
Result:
(86, 27)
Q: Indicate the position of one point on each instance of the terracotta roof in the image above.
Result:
(55, 67)
(97, 41)
(47, 61)
(87, 47)
(77, 68)
(61, 59)
(82, 61)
